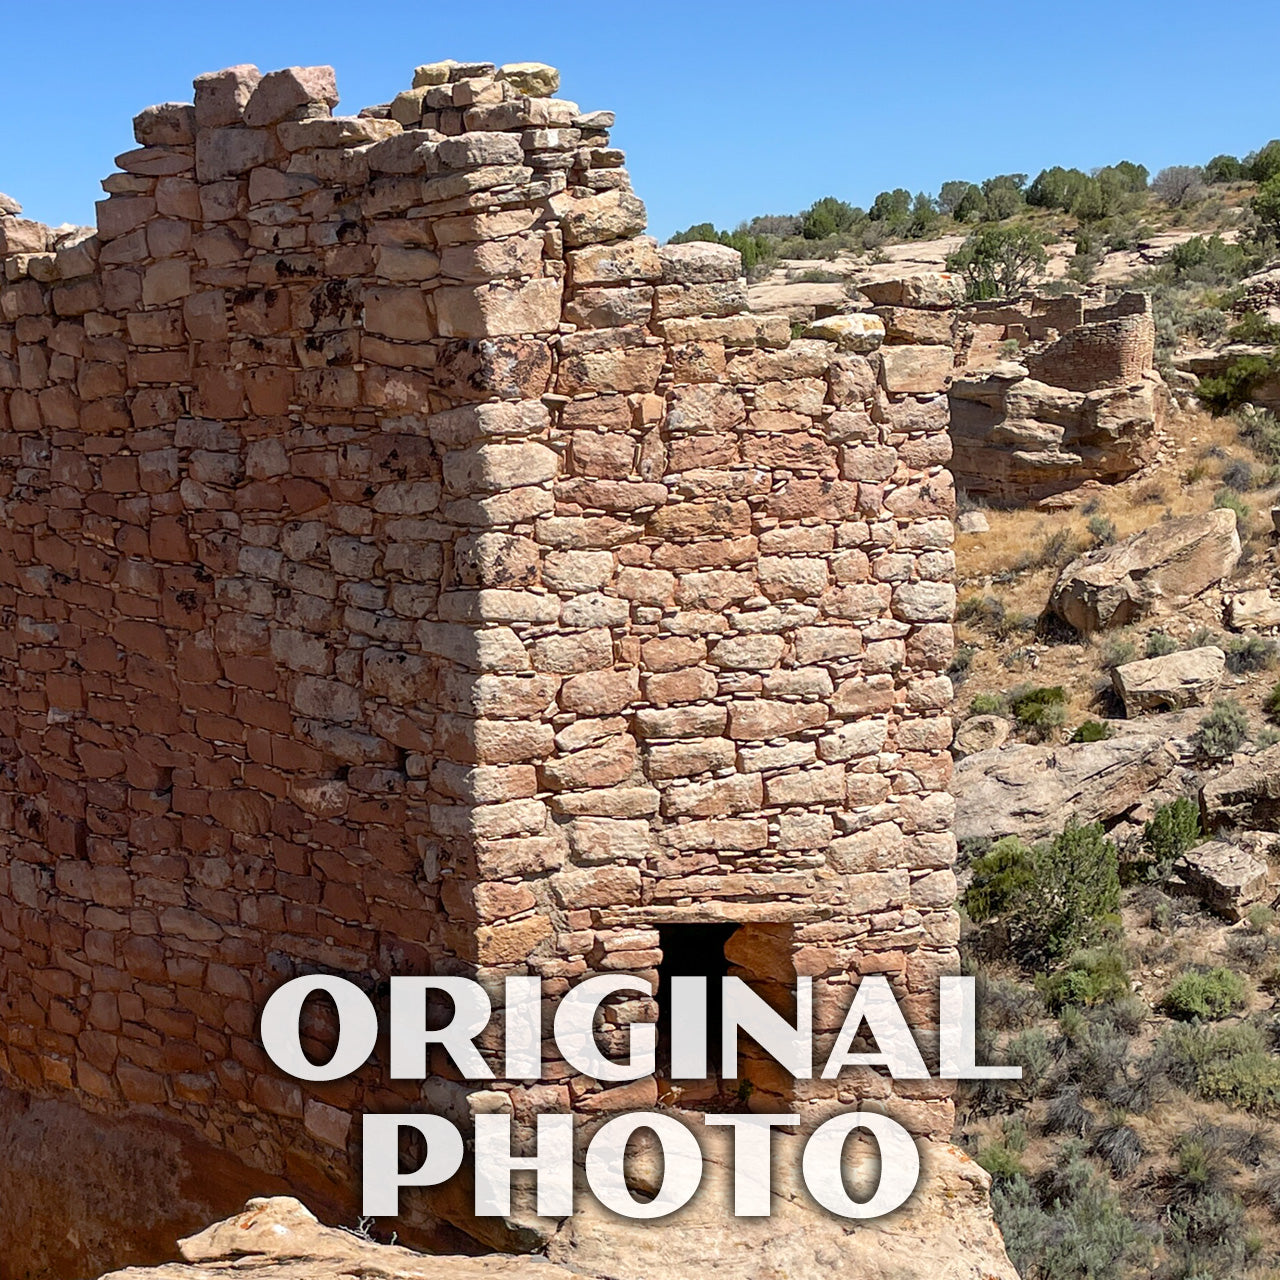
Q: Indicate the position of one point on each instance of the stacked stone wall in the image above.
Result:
(1100, 353)
(408, 566)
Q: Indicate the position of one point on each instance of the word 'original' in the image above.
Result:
(873, 1017)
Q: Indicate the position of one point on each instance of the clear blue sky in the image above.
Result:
(725, 109)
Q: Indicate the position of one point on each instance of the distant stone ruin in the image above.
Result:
(408, 566)
(1051, 393)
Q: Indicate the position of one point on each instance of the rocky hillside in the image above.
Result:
(1118, 668)
(945, 1232)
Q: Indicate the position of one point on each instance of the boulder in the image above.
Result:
(1030, 791)
(980, 733)
(933, 289)
(1225, 877)
(858, 331)
(278, 1238)
(1165, 565)
(1253, 608)
(1170, 682)
(1246, 795)
(533, 79)
(945, 1231)
(972, 522)
(9, 207)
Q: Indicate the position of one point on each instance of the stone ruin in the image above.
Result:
(1077, 399)
(408, 566)
(1041, 394)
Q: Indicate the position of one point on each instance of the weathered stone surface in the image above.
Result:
(858, 331)
(944, 1232)
(1254, 608)
(280, 1239)
(1170, 682)
(698, 262)
(281, 92)
(1030, 791)
(980, 733)
(939, 289)
(1245, 795)
(533, 79)
(914, 369)
(1161, 566)
(1225, 877)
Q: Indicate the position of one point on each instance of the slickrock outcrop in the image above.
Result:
(1169, 563)
(1247, 795)
(407, 565)
(280, 1239)
(945, 1232)
(1225, 876)
(1170, 682)
(1030, 791)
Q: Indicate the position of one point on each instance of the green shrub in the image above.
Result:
(1103, 529)
(1254, 328)
(989, 704)
(1092, 731)
(1041, 709)
(1260, 430)
(1053, 898)
(1095, 976)
(1250, 653)
(1173, 829)
(1231, 1064)
(1070, 1227)
(1115, 653)
(1236, 383)
(999, 261)
(1205, 995)
(1228, 500)
(1159, 643)
(1272, 705)
(1000, 1160)
(1223, 730)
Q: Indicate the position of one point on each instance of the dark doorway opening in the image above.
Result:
(697, 951)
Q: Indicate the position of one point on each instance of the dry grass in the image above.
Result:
(1005, 564)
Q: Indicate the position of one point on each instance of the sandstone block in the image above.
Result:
(533, 79)
(498, 309)
(612, 215)
(1170, 682)
(915, 369)
(280, 93)
(221, 96)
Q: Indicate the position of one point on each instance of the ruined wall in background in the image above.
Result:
(1077, 400)
(407, 566)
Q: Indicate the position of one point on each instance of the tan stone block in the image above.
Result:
(715, 798)
(398, 313)
(823, 785)
(597, 887)
(511, 943)
(915, 369)
(620, 262)
(688, 758)
(498, 309)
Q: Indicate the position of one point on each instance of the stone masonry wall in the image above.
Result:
(405, 566)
